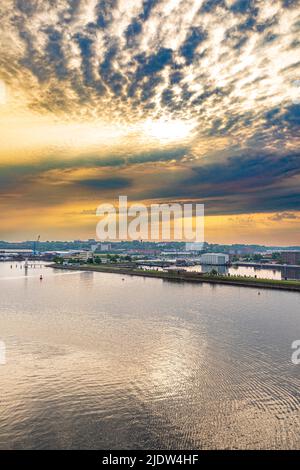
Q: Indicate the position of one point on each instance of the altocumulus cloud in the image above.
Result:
(228, 66)
(134, 58)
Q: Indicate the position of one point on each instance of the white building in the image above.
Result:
(105, 247)
(78, 255)
(101, 247)
(216, 259)
(194, 246)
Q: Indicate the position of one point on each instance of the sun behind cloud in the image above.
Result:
(166, 100)
(165, 130)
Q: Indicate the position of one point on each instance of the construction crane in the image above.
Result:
(35, 244)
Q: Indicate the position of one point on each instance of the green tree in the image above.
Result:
(113, 258)
(214, 272)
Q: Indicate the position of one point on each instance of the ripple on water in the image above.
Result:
(93, 363)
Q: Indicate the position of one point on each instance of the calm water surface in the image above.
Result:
(249, 271)
(287, 272)
(108, 361)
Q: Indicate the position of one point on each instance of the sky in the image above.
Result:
(160, 100)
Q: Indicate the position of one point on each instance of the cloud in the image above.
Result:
(127, 60)
(239, 184)
(227, 67)
(58, 179)
(247, 171)
(105, 184)
(195, 37)
(279, 216)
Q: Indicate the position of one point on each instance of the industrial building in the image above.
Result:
(194, 246)
(290, 257)
(76, 255)
(100, 247)
(214, 259)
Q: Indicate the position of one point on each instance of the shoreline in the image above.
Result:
(293, 286)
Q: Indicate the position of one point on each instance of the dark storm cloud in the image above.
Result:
(12, 176)
(241, 184)
(244, 171)
(105, 184)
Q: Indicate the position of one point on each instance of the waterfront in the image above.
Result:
(272, 272)
(98, 360)
(240, 271)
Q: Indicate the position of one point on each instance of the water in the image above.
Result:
(275, 272)
(249, 271)
(105, 361)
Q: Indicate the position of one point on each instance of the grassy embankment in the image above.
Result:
(189, 276)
